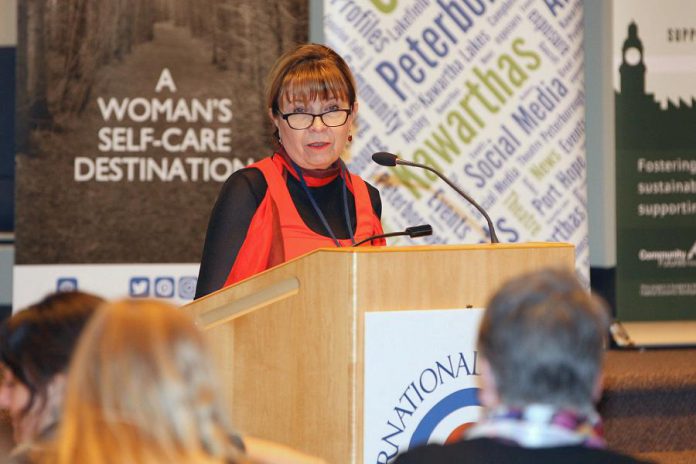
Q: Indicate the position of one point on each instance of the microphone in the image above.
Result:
(413, 232)
(388, 159)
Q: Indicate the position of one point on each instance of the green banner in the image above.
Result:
(655, 163)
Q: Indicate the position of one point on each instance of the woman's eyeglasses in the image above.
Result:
(333, 118)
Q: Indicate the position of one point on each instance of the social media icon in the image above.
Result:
(139, 287)
(66, 284)
(164, 287)
(187, 287)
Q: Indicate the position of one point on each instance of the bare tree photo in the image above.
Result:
(71, 53)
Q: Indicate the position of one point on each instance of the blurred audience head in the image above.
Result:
(542, 338)
(35, 348)
(141, 390)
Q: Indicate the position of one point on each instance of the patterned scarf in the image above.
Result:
(313, 177)
(540, 426)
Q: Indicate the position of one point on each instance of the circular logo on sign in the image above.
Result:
(448, 419)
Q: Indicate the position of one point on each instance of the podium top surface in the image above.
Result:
(477, 246)
(389, 277)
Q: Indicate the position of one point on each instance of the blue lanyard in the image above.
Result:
(342, 170)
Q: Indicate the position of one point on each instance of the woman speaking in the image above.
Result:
(302, 197)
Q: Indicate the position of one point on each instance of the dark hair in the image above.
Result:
(36, 343)
(543, 335)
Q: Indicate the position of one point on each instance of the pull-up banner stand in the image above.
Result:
(654, 74)
(129, 117)
(488, 92)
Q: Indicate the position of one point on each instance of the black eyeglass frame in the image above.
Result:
(348, 112)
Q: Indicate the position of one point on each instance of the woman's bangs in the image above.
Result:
(307, 85)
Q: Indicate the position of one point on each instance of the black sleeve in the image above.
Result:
(431, 454)
(236, 205)
(414, 456)
(375, 200)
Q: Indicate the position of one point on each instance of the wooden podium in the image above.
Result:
(289, 341)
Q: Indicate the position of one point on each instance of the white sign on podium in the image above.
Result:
(421, 379)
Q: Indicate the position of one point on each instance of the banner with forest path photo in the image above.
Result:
(130, 114)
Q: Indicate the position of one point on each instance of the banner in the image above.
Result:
(654, 49)
(421, 379)
(130, 114)
(488, 92)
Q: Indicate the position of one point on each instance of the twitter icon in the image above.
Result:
(139, 287)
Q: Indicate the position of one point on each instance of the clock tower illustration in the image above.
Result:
(640, 122)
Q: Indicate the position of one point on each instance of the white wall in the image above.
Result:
(316, 24)
(8, 23)
(599, 117)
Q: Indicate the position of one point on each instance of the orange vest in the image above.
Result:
(277, 232)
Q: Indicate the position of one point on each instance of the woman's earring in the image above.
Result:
(350, 137)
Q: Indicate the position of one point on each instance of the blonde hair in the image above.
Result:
(141, 390)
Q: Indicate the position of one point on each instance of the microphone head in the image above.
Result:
(384, 159)
(419, 231)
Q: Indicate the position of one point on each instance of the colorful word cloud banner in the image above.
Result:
(488, 92)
